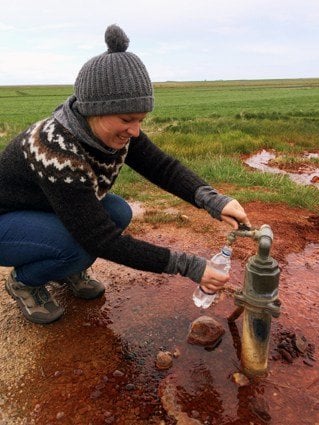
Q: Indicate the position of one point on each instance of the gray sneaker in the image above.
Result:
(83, 286)
(35, 302)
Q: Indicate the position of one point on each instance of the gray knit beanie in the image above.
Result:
(115, 82)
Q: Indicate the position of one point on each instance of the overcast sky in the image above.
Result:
(47, 41)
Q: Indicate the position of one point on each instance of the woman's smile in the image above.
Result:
(115, 131)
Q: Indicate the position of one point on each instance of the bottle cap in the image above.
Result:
(227, 250)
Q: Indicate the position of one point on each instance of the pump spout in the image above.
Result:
(265, 238)
(259, 299)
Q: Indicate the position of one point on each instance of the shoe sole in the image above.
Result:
(25, 312)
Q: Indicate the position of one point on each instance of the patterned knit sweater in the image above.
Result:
(46, 168)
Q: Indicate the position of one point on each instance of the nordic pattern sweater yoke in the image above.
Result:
(46, 168)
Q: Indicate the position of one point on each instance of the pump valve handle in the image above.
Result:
(242, 226)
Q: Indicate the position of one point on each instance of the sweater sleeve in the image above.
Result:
(92, 227)
(163, 170)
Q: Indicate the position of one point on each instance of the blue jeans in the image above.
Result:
(41, 249)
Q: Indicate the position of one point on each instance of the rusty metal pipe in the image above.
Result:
(255, 342)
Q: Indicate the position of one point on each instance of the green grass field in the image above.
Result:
(207, 125)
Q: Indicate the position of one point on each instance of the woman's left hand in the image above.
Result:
(233, 213)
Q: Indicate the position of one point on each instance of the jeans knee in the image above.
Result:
(118, 209)
(74, 256)
(126, 216)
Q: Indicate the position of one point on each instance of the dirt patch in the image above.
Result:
(96, 365)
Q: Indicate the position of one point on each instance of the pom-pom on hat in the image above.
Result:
(115, 82)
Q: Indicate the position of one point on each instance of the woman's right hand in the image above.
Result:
(213, 280)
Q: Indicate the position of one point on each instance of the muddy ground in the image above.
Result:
(96, 365)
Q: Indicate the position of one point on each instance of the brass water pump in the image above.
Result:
(258, 300)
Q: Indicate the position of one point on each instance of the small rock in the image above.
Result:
(118, 373)
(130, 387)
(176, 353)
(59, 415)
(37, 408)
(95, 394)
(287, 356)
(195, 414)
(240, 379)
(205, 331)
(284, 345)
(164, 360)
(107, 414)
(301, 343)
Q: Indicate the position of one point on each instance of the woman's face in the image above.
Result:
(115, 130)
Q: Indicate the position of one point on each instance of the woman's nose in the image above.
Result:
(134, 129)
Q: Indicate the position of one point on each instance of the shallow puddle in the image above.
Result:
(200, 382)
(260, 162)
(99, 366)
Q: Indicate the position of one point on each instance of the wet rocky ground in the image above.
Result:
(97, 364)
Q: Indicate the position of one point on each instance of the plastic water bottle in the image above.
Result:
(220, 262)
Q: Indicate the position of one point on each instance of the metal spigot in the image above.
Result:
(258, 299)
